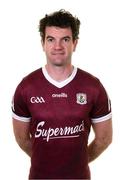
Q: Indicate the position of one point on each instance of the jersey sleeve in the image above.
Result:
(19, 105)
(102, 106)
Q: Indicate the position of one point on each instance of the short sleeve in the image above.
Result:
(101, 110)
(19, 105)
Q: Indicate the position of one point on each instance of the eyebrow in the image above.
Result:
(61, 38)
(49, 37)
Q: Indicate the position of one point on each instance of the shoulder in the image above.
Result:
(32, 77)
(30, 80)
(87, 77)
(90, 83)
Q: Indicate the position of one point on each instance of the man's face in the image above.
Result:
(58, 45)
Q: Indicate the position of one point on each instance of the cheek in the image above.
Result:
(45, 48)
(47, 51)
(71, 49)
(48, 47)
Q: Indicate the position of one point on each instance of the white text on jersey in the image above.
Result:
(58, 132)
(61, 95)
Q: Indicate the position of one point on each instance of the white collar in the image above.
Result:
(62, 83)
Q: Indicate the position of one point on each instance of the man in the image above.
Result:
(55, 106)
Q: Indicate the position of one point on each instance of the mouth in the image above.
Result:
(58, 53)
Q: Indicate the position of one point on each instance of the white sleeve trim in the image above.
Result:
(20, 118)
(103, 118)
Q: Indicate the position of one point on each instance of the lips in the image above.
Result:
(58, 53)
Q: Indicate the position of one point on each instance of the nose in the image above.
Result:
(58, 45)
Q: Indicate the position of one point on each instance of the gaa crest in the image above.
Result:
(81, 98)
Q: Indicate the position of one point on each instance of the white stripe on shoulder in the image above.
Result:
(20, 118)
(101, 119)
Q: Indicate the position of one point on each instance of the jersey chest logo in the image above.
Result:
(37, 99)
(81, 98)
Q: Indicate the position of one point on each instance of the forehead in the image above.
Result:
(57, 31)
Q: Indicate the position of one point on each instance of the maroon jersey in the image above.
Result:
(60, 116)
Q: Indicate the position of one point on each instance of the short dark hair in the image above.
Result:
(62, 19)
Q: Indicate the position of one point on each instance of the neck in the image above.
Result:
(59, 73)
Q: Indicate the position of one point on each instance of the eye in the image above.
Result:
(66, 39)
(50, 39)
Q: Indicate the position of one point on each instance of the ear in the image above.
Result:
(75, 44)
(42, 43)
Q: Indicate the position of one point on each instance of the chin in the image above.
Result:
(59, 63)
